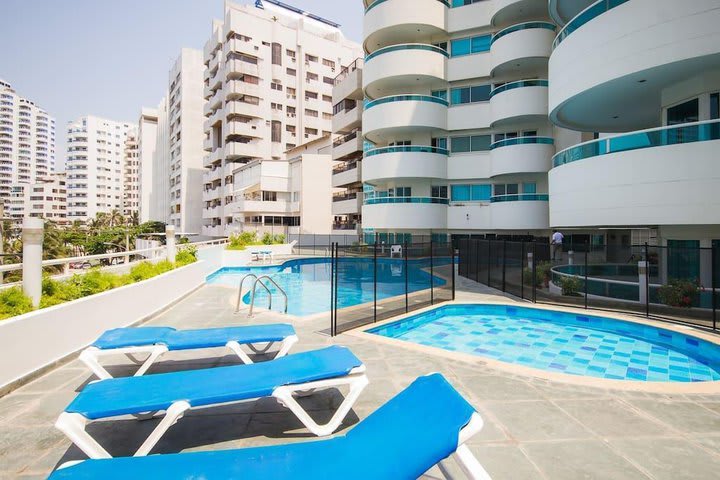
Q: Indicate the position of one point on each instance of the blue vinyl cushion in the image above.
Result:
(190, 339)
(132, 395)
(401, 440)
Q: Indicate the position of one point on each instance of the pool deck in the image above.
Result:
(535, 428)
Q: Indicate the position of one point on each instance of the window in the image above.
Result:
(506, 189)
(311, 113)
(291, 71)
(290, 53)
(329, 80)
(290, 129)
(400, 143)
(311, 76)
(479, 93)
(684, 113)
(440, 94)
(276, 106)
(309, 95)
(276, 86)
(462, 3)
(327, 116)
(470, 193)
(401, 192)
(683, 259)
(276, 54)
(530, 187)
(310, 58)
(714, 106)
(439, 142)
(475, 143)
(276, 132)
(467, 46)
(291, 91)
(439, 192)
(269, 197)
(310, 132)
(328, 63)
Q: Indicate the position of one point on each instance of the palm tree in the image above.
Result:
(115, 218)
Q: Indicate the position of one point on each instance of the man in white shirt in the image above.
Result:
(557, 241)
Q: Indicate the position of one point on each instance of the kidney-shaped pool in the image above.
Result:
(562, 342)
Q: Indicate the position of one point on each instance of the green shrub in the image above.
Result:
(238, 241)
(267, 239)
(14, 302)
(679, 293)
(186, 256)
(279, 239)
(145, 270)
(570, 286)
(55, 292)
(542, 274)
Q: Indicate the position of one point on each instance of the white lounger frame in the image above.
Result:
(91, 356)
(463, 456)
(73, 424)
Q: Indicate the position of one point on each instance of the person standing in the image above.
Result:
(556, 244)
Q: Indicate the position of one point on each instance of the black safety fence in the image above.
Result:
(677, 282)
(374, 282)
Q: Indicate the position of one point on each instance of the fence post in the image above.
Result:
(647, 281)
(534, 273)
(332, 290)
(170, 243)
(32, 238)
(522, 270)
(375, 259)
(407, 300)
(504, 260)
(432, 277)
(452, 262)
(714, 274)
(587, 247)
(337, 281)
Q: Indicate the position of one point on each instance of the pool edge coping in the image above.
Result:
(691, 388)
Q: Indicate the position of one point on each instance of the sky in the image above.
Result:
(110, 58)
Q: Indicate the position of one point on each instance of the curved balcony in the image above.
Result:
(661, 176)
(512, 11)
(620, 53)
(521, 101)
(386, 118)
(389, 22)
(562, 11)
(393, 68)
(405, 213)
(520, 212)
(522, 48)
(247, 129)
(522, 155)
(412, 161)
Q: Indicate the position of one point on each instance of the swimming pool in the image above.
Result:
(562, 342)
(307, 281)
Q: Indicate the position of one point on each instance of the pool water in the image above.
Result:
(563, 342)
(307, 282)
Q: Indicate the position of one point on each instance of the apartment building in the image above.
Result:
(347, 149)
(147, 144)
(457, 118)
(94, 166)
(27, 141)
(46, 198)
(285, 196)
(131, 178)
(269, 77)
(653, 174)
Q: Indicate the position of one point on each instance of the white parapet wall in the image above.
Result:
(29, 343)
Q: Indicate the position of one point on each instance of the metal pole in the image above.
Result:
(432, 293)
(647, 282)
(713, 258)
(332, 292)
(337, 281)
(375, 259)
(522, 269)
(407, 300)
(586, 276)
(452, 262)
(477, 259)
(534, 273)
(504, 244)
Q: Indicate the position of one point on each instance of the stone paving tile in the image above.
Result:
(671, 459)
(581, 459)
(534, 428)
(536, 420)
(611, 418)
(685, 417)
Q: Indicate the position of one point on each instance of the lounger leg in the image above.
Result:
(444, 470)
(173, 414)
(286, 345)
(91, 358)
(235, 348)
(157, 353)
(285, 396)
(469, 464)
(73, 425)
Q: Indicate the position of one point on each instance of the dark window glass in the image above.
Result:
(684, 113)
(480, 143)
(480, 93)
(276, 131)
(714, 106)
(460, 144)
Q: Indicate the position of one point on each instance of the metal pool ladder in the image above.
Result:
(242, 282)
(254, 289)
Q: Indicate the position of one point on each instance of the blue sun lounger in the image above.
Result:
(156, 341)
(175, 393)
(421, 427)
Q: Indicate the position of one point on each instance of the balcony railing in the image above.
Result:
(584, 17)
(520, 197)
(378, 2)
(345, 167)
(407, 46)
(406, 98)
(522, 26)
(383, 200)
(522, 141)
(407, 148)
(518, 84)
(344, 226)
(341, 197)
(345, 71)
(654, 137)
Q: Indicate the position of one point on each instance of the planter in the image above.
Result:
(29, 343)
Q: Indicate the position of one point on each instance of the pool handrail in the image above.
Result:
(239, 299)
(259, 280)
